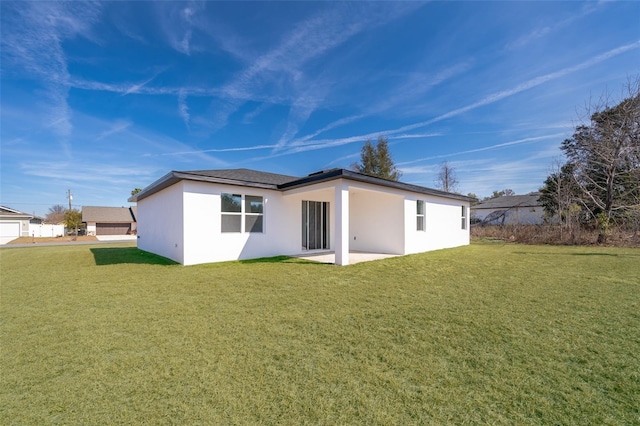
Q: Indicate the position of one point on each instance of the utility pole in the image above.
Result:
(70, 197)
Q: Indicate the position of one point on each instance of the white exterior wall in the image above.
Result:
(319, 192)
(160, 223)
(376, 222)
(443, 224)
(183, 222)
(205, 242)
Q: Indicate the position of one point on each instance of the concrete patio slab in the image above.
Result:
(354, 257)
(116, 237)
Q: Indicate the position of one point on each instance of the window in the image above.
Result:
(464, 217)
(420, 216)
(253, 213)
(233, 213)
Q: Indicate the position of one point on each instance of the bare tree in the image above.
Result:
(560, 198)
(605, 153)
(446, 179)
(55, 214)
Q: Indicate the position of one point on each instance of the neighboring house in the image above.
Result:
(13, 224)
(36, 220)
(109, 220)
(217, 215)
(509, 210)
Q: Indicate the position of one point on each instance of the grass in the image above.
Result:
(489, 333)
(40, 240)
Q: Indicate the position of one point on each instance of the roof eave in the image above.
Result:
(359, 177)
(174, 177)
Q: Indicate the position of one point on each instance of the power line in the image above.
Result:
(26, 203)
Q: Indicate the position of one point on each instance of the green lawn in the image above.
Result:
(484, 334)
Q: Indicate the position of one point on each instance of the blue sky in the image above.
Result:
(101, 98)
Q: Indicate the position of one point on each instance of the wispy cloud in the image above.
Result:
(177, 21)
(32, 40)
(225, 38)
(183, 108)
(416, 84)
(135, 88)
(545, 30)
(333, 125)
(486, 148)
(484, 175)
(495, 97)
(117, 127)
(434, 168)
(308, 40)
(123, 22)
(248, 117)
(84, 172)
(308, 143)
(202, 151)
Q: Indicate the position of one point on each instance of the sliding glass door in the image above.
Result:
(315, 225)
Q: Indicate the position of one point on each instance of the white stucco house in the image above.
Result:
(207, 216)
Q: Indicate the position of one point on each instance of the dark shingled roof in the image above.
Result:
(245, 175)
(506, 202)
(109, 214)
(257, 179)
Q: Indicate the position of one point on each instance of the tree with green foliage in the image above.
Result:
(136, 191)
(603, 161)
(605, 154)
(73, 219)
(497, 194)
(376, 160)
(475, 198)
(559, 191)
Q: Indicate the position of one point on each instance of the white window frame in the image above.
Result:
(247, 214)
(421, 216)
(464, 217)
(243, 213)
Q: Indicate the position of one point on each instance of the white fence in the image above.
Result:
(46, 230)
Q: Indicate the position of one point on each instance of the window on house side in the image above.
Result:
(464, 217)
(420, 216)
(253, 206)
(231, 212)
(238, 210)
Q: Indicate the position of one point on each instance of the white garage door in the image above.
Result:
(9, 231)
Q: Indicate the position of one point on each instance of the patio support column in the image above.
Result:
(342, 223)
